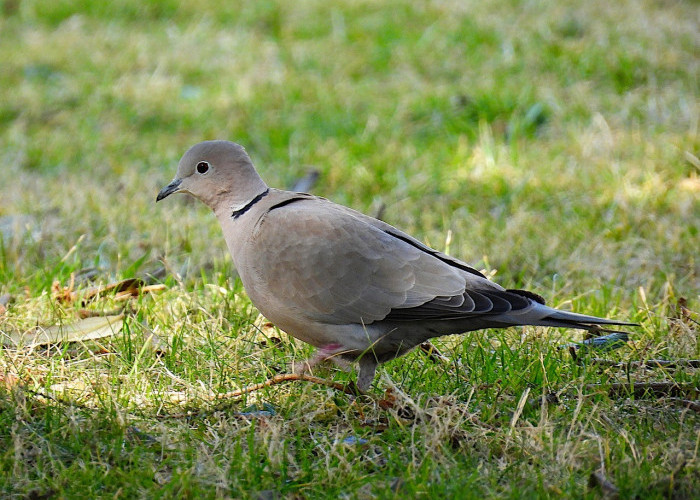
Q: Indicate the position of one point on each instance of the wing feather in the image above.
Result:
(350, 268)
(343, 269)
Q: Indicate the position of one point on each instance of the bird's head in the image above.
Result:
(218, 173)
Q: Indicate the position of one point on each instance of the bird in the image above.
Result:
(355, 287)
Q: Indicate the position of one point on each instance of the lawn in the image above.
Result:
(553, 145)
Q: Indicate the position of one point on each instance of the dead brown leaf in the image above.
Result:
(389, 400)
(135, 292)
(122, 290)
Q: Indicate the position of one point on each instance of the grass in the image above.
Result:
(553, 144)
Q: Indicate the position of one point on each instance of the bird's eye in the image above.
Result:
(202, 167)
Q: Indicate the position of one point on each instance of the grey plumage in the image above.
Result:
(349, 284)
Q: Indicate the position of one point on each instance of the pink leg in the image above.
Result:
(327, 352)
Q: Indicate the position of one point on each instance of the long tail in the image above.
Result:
(564, 319)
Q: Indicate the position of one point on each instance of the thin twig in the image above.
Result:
(687, 403)
(640, 389)
(277, 379)
(649, 363)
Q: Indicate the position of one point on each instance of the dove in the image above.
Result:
(356, 288)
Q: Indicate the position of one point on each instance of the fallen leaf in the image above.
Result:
(85, 329)
(136, 291)
(122, 290)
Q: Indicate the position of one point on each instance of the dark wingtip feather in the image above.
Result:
(528, 294)
(565, 319)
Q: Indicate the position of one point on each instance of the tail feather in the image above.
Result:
(564, 319)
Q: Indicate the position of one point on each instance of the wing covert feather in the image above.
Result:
(336, 267)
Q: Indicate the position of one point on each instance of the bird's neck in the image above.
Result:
(236, 214)
(234, 199)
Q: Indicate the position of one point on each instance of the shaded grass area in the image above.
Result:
(554, 145)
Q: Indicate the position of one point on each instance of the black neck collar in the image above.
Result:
(237, 213)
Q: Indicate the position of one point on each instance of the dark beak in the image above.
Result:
(171, 188)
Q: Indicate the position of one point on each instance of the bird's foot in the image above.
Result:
(331, 352)
(368, 367)
(328, 352)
